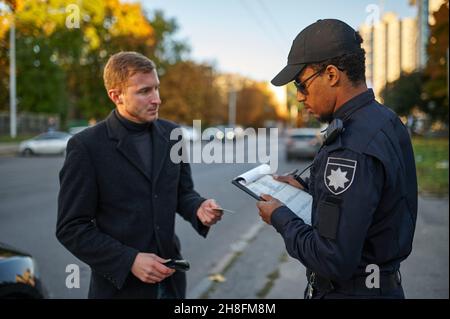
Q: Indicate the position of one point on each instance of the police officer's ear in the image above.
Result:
(333, 75)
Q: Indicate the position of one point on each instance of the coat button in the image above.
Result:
(156, 196)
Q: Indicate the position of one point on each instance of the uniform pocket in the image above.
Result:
(328, 215)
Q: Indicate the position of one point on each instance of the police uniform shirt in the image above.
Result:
(364, 192)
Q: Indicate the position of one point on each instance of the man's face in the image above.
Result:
(140, 98)
(318, 97)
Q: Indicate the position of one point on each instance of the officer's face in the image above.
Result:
(316, 94)
(139, 100)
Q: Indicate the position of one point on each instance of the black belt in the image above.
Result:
(354, 286)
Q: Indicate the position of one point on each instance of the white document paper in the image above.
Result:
(259, 181)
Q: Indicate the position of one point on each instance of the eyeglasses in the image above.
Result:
(301, 86)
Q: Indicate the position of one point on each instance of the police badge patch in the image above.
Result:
(339, 174)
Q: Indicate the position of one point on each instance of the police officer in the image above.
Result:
(363, 179)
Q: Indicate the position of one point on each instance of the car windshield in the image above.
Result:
(303, 137)
(53, 136)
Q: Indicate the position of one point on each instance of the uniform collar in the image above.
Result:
(354, 104)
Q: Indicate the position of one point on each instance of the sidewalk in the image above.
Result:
(7, 149)
(262, 270)
(258, 266)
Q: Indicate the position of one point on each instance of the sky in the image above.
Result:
(253, 37)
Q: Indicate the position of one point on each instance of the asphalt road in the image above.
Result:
(28, 197)
(28, 203)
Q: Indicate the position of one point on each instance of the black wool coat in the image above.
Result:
(109, 208)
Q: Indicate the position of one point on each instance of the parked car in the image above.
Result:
(77, 129)
(222, 133)
(19, 275)
(53, 142)
(303, 143)
(212, 133)
(189, 133)
(226, 133)
(238, 132)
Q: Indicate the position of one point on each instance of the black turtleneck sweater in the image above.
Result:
(140, 136)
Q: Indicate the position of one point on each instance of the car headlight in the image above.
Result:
(238, 131)
(230, 135)
(220, 135)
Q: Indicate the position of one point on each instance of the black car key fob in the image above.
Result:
(180, 264)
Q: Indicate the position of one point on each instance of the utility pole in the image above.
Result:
(232, 109)
(12, 78)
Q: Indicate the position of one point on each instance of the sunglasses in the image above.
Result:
(301, 86)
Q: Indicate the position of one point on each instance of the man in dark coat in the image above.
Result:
(120, 191)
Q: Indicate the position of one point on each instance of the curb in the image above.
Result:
(9, 149)
(236, 248)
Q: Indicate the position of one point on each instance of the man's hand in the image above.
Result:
(267, 207)
(289, 179)
(149, 268)
(206, 213)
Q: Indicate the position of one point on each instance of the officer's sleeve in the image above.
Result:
(75, 226)
(347, 190)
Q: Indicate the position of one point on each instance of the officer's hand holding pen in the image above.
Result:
(289, 178)
(266, 206)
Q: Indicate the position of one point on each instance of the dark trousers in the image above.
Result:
(355, 288)
(396, 293)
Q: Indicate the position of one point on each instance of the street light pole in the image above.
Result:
(232, 108)
(12, 79)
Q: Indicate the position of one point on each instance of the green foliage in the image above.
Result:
(404, 94)
(60, 66)
(40, 81)
(188, 93)
(436, 88)
(427, 89)
(432, 165)
(254, 106)
(167, 50)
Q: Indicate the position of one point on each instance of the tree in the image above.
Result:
(188, 93)
(40, 81)
(255, 106)
(436, 88)
(62, 48)
(166, 50)
(404, 94)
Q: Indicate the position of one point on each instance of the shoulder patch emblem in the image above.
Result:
(339, 174)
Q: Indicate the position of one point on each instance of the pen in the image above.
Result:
(293, 172)
(301, 181)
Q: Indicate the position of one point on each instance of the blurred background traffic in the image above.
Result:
(215, 61)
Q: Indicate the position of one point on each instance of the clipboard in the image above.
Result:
(259, 181)
(237, 182)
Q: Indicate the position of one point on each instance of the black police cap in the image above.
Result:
(320, 41)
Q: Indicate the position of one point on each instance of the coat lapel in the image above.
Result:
(160, 149)
(117, 132)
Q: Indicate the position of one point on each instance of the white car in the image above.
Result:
(53, 142)
(190, 134)
(303, 143)
(220, 133)
(77, 129)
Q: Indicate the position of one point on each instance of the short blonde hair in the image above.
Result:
(121, 66)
